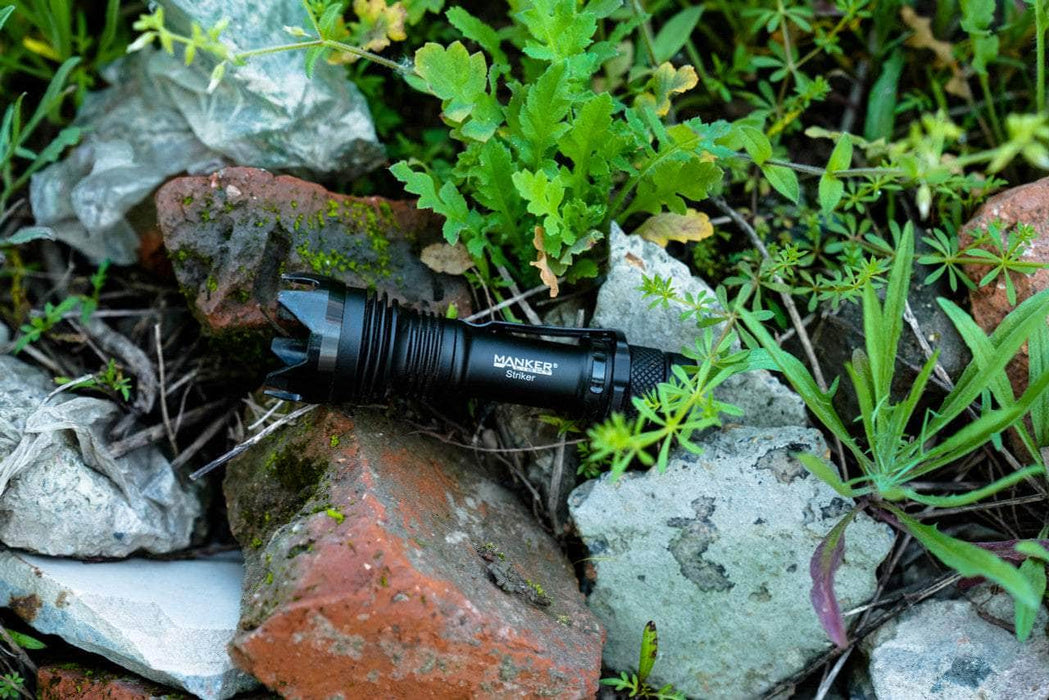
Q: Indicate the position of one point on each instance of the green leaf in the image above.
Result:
(26, 642)
(544, 197)
(5, 12)
(969, 560)
(672, 36)
(964, 499)
(881, 102)
(831, 191)
(649, 650)
(1038, 353)
(447, 201)
(668, 181)
(495, 187)
(590, 134)
(542, 117)
(559, 29)
(476, 30)
(783, 180)
(825, 473)
(454, 75)
(313, 54)
(1024, 615)
(841, 156)
(755, 142)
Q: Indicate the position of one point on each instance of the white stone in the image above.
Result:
(716, 551)
(621, 305)
(169, 621)
(952, 649)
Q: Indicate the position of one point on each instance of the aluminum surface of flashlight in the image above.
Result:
(361, 348)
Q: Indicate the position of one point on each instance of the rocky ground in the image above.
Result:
(396, 550)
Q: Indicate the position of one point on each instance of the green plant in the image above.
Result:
(110, 379)
(17, 161)
(12, 685)
(901, 446)
(54, 313)
(634, 683)
(685, 406)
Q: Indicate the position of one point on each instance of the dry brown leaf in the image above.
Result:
(923, 39)
(635, 261)
(540, 262)
(690, 226)
(449, 259)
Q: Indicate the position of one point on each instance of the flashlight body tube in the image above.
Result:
(362, 347)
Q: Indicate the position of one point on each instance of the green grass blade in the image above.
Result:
(969, 560)
(859, 371)
(1007, 339)
(825, 473)
(1038, 354)
(799, 377)
(906, 409)
(52, 95)
(964, 499)
(873, 337)
(895, 305)
(1024, 616)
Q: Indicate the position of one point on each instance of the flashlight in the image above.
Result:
(361, 347)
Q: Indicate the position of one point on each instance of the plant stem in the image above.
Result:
(1040, 22)
(646, 31)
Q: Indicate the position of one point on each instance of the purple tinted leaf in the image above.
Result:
(1006, 549)
(824, 564)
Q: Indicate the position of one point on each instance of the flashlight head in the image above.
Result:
(324, 349)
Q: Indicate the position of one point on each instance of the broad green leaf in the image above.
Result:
(964, 499)
(783, 180)
(755, 142)
(543, 197)
(589, 135)
(476, 30)
(675, 32)
(667, 81)
(830, 191)
(26, 642)
(841, 156)
(881, 102)
(649, 650)
(670, 182)
(824, 472)
(495, 187)
(454, 75)
(447, 200)
(1024, 616)
(969, 560)
(559, 29)
(542, 116)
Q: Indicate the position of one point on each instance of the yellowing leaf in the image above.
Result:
(665, 82)
(449, 259)
(923, 39)
(545, 273)
(376, 26)
(41, 48)
(691, 226)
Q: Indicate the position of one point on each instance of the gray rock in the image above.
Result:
(620, 304)
(169, 621)
(952, 649)
(158, 120)
(716, 551)
(65, 495)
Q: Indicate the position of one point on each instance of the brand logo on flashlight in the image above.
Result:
(521, 364)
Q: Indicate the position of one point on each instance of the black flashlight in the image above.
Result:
(362, 347)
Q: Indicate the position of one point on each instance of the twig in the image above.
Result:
(137, 362)
(18, 651)
(940, 512)
(506, 302)
(497, 450)
(156, 432)
(533, 317)
(792, 311)
(553, 494)
(198, 444)
(252, 441)
(163, 392)
(266, 416)
(923, 343)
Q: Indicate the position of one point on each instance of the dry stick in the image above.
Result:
(198, 444)
(941, 374)
(137, 362)
(18, 651)
(533, 317)
(163, 392)
(792, 311)
(156, 432)
(553, 494)
(507, 302)
(252, 441)
(1019, 500)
